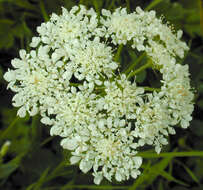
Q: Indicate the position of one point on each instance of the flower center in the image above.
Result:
(107, 147)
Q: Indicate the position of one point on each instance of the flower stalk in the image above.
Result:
(140, 69)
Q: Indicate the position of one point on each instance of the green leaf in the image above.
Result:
(37, 185)
(182, 17)
(98, 5)
(17, 131)
(6, 37)
(7, 169)
(153, 4)
(142, 178)
(135, 61)
(169, 177)
(21, 30)
(9, 128)
(118, 53)
(190, 173)
(141, 77)
(21, 3)
(7, 41)
(201, 14)
(43, 11)
(60, 170)
(151, 173)
(160, 185)
(180, 188)
(7, 21)
(39, 160)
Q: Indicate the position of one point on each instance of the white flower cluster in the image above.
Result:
(103, 119)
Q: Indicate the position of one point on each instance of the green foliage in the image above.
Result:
(36, 161)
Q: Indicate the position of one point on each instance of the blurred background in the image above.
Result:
(30, 159)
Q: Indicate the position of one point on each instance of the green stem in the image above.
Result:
(96, 5)
(142, 68)
(74, 84)
(46, 141)
(35, 129)
(43, 10)
(10, 127)
(192, 175)
(82, 2)
(118, 53)
(134, 64)
(153, 4)
(171, 154)
(128, 5)
(146, 88)
(112, 4)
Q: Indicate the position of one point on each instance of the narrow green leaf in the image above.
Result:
(42, 179)
(128, 5)
(153, 4)
(30, 187)
(48, 139)
(169, 177)
(130, 68)
(60, 170)
(6, 21)
(9, 128)
(151, 173)
(35, 129)
(146, 88)
(190, 173)
(201, 14)
(140, 69)
(141, 179)
(43, 11)
(21, 3)
(118, 53)
(140, 77)
(161, 185)
(97, 6)
(7, 169)
(37, 185)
